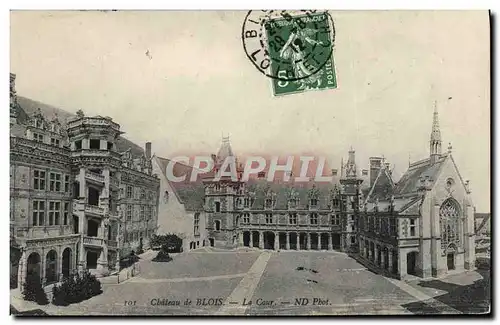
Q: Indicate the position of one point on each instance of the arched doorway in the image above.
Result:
(51, 267)
(314, 241)
(336, 241)
(33, 264)
(302, 241)
(293, 240)
(386, 259)
(282, 240)
(246, 238)
(450, 256)
(269, 240)
(255, 239)
(411, 263)
(92, 258)
(66, 262)
(324, 241)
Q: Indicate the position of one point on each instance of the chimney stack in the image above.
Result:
(148, 150)
(375, 165)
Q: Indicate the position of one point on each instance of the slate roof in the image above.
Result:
(190, 194)
(410, 181)
(259, 190)
(382, 188)
(28, 107)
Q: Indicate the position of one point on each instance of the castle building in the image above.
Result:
(274, 215)
(81, 195)
(422, 225)
(180, 209)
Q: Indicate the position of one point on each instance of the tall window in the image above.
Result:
(314, 203)
(246, 202)
(336, 202)
(54, 212)
(197, 224)
(335, 220)
(217, 206)
(269, 218)
(66, 213)
(246, 218)
(55, 182)
(66, 184)
(129, 212)
(412, 227)
(449, 216)
(392, 227)
(293, 218)
(38, 213)
(142, 212)
(39, 180)
(129, 191)
(217, 225)
(314, 218)
(143, 194)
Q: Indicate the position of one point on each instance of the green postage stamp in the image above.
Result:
(296, 49)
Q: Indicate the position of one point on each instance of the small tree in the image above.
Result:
(33, 290)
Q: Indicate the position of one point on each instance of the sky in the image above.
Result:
(181, 80)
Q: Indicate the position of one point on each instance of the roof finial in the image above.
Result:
(449, 147)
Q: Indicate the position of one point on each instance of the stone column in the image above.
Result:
(251, 239)
(308, 241)
(59, 263)
(330, 244)
(382, 258)
(22, 270)
(390, 261)
(376, 255)
(43, 261)
(276, 240)
(261, 239)
(241, 242)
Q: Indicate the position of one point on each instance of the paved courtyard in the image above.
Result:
(247, 282)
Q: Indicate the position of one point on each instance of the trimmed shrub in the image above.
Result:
(33, 290)
(162, 256)
(76, 288)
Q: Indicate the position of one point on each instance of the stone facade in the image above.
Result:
(68, 193)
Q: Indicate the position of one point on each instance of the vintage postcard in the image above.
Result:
(250, 163)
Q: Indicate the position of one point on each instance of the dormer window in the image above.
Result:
(217, 187)
(38, 137)
(314, 202)
(38, 124)
(269, 203)
(292, 202)
(55, 142)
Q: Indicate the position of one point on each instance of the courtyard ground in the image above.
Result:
(248, 282)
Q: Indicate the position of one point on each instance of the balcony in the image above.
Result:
(94, 177)
(93, 241)
(94, 210)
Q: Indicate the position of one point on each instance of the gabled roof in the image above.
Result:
(382, 188)
(190, 194)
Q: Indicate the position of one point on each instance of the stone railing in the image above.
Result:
(94, 176)
(286, 227)
(94, 209)
(94, 241)
(98, 121)
(96, 153)
(15, 141)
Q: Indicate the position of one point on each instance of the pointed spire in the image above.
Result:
(436, 133)
(342, 167)
(435, 139)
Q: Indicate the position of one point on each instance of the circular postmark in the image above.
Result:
(288, 45)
